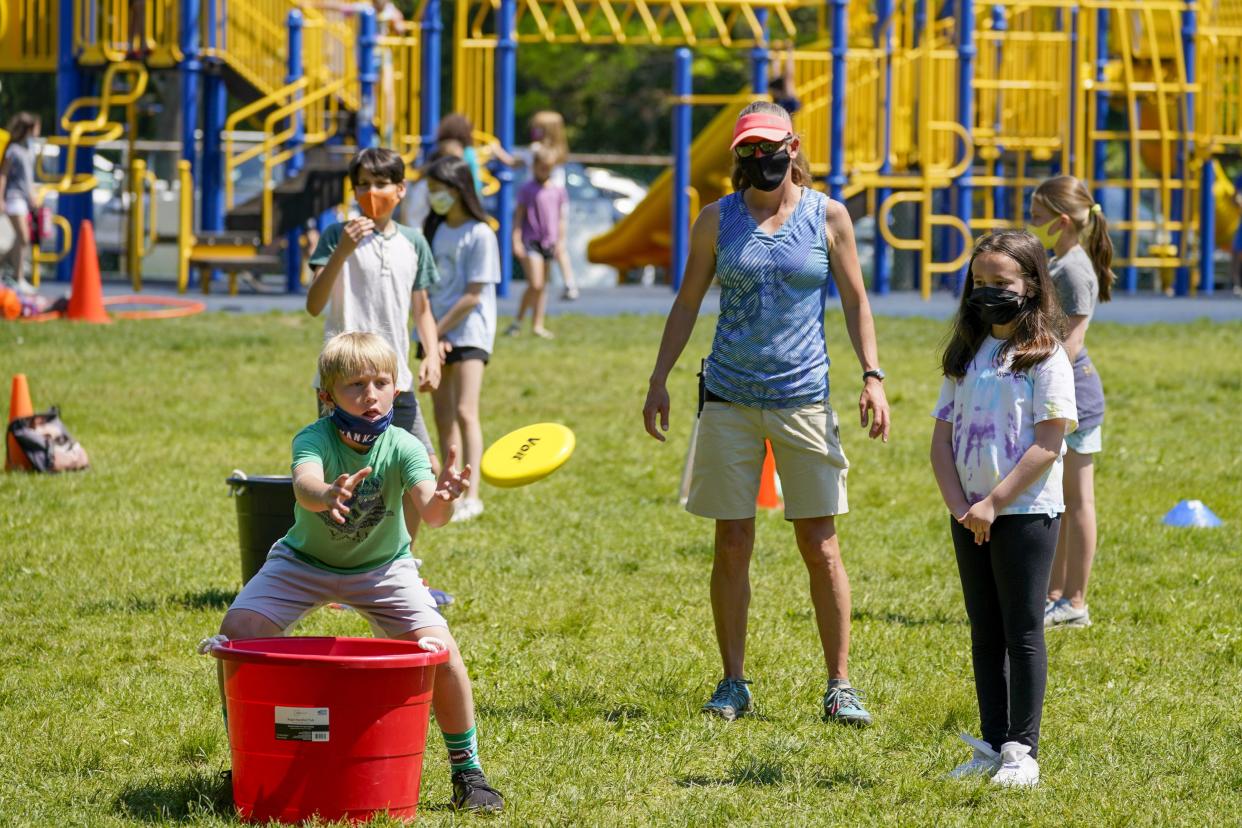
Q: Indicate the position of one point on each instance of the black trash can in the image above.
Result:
(264, 516)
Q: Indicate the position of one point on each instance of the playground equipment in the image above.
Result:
(961, 115)
(946, 112)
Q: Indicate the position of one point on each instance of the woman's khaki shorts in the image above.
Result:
(728, 460)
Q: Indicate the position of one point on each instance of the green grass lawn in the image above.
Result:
(582, 601)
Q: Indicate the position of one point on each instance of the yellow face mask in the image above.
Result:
(1044, 233)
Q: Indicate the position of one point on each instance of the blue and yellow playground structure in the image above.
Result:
(941, 115)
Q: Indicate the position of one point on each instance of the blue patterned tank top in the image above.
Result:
(769, 350)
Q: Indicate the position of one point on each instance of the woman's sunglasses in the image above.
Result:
(768, 147)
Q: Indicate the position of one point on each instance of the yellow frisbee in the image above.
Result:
(527, 454)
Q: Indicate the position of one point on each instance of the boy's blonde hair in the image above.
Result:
(352, 354)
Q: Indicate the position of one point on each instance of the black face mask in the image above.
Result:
(768, 172)
(996, 306)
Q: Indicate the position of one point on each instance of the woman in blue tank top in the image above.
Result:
(773, 244)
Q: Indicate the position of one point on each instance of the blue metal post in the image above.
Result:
(1073, 90)
(1099, 147)
(429, 99)
(884, 34)
(836, 112)
(760, 57)
(293, 237)
(191, 81)
(1129, 273)
(920, 30)
(1000, 193)
(368, 74)
(68, 88)
(965, 114)
(215, 111)
(1207, 229)
(293, 72)
(506, 93)
(1206, 217)
(682, 88)
(1178, 202)
(191, 89)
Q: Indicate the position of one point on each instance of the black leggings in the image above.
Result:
(1005, 583)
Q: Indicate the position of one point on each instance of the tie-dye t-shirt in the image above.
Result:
(994, 411)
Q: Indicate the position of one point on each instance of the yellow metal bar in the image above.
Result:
(274, 139)
(185, 224)
(40, 257)
(136, 243)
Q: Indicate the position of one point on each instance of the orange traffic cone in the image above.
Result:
(769, 497)
(86, 296)
(19, 406)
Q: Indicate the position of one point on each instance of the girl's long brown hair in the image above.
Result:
(1069, 196)
(801, 168)
(21, 125)
(1040, 323)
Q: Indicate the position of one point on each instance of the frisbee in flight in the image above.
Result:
(528, 454)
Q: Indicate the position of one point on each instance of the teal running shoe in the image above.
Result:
(844, 705)
(731, 700)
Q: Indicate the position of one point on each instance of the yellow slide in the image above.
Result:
(644, 237)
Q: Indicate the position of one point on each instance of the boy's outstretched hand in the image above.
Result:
(450, 485)
(341, 492)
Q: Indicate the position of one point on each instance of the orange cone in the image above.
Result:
(768, 497)
(86, 296)
(19, 406)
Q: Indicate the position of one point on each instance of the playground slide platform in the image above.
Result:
(644, 237)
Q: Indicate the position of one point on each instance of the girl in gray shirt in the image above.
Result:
(17, 185)
(1066, 219)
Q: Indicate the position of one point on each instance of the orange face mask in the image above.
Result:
(376, 203)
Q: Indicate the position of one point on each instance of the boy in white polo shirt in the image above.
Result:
(371, 274)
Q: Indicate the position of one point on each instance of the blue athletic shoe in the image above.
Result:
(731, 700)
(443, 599)
(844, 705)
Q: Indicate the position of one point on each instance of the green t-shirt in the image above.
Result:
(374, 531)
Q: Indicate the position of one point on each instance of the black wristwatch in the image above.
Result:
(878, 373)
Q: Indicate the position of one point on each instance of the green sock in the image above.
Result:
(463, 750)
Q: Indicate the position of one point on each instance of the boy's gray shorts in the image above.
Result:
(392, 597)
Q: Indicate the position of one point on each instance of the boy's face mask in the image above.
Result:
(360, 429)
(379, 202)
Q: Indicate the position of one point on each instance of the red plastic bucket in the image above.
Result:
(327, 726)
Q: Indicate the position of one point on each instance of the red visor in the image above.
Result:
(762, 125)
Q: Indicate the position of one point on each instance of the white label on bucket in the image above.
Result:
(302, 724)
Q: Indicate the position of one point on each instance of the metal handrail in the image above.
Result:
(277, 139)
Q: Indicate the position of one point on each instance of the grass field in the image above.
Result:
(582, 601)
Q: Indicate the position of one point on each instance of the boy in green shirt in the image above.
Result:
(349, 541)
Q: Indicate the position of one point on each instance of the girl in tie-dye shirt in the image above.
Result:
(1005, 407)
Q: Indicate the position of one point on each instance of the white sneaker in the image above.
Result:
(468, 508)
(1063, 614)
(1018, 769)
(984, 762)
